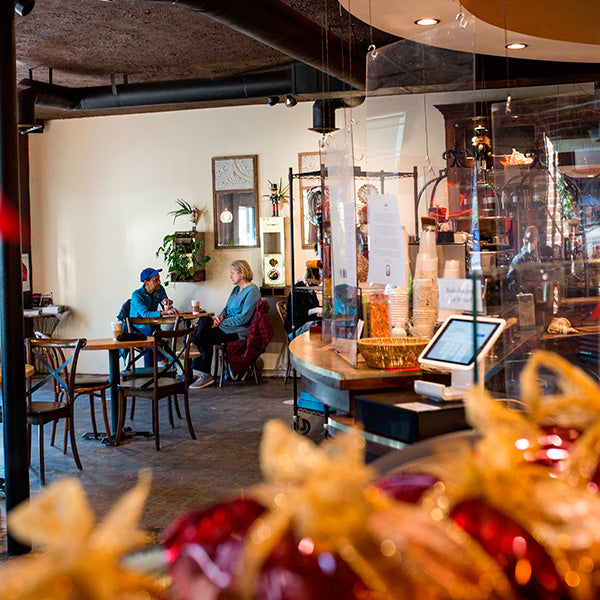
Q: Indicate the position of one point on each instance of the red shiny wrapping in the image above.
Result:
(406, 487)
(204, 549)
(524, 561)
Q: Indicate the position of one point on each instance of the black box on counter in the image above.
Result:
(408, 417)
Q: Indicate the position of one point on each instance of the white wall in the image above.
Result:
(101, 189)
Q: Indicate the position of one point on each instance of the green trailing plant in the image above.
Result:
(182, 253)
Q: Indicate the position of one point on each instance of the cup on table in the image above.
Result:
(196, 306)
(117, 329)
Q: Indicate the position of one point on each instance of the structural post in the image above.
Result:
(14, 409)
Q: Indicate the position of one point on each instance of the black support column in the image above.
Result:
(16, 470)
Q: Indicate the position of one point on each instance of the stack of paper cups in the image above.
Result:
(451, 271)
(424, 308)
(398, 310)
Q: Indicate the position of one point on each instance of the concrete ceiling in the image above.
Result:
(81, 43)
(85, 41)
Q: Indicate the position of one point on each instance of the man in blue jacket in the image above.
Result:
(148, 301)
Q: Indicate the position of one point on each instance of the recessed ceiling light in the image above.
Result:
(516, 46)
(426, 22)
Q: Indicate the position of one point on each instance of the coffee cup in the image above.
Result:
(117, 329)
(195, 306)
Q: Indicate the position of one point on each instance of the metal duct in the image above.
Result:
(187, 90)
(324, 112)
(297, 78)
(275, 24)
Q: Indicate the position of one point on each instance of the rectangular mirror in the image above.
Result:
(235, 188)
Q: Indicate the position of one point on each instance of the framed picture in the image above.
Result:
(310, 194)
(235, 197)
(26, 272)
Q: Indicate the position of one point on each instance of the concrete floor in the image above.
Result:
(187, 473)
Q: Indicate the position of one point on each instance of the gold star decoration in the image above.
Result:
(77, 558)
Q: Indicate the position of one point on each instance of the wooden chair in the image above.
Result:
(49, 352)
(132, 371)
(223, 367)
(175, 346)
(282, 312)
(92, 386)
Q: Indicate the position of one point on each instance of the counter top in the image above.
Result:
(318, 361)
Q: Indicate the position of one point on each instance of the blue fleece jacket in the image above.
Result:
(239, 310)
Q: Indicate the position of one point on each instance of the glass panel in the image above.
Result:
(342, 207)
(235, 201)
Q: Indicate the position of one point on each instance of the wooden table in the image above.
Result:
(185, 316)
(29, 371)
(113, 346)
(332, 380)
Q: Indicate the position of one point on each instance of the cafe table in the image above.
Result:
(29, 371)
(113, 346)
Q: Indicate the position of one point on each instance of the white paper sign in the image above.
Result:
(457, 294)
(386, 246)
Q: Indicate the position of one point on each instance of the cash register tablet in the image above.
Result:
(452, 345)
(452, 349)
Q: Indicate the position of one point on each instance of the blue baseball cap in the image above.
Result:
(149, 272)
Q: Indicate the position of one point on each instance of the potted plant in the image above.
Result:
(183, 251)
(185, 208)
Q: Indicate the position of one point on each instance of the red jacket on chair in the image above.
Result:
(242, 353)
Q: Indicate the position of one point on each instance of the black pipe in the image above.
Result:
(296, 78)
(324, 114)
(198, 90)
(14, 408)
(279, 26)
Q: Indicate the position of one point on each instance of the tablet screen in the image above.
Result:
(454, 344)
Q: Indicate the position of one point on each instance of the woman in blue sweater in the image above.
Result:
(231, 324)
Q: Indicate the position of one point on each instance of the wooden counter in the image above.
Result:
(333, 381)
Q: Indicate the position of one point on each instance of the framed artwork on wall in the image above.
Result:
(235, 201)
(310, 194)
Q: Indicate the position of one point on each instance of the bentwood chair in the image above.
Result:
(168, 379)
(92, 386)
(50, 354)
(132, 370)
(282, 312)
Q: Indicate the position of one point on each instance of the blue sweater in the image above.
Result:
(146, 305)
(239, 310)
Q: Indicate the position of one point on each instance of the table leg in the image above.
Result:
(114, 371)
(115, 378)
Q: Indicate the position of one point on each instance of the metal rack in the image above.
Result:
(300, 424)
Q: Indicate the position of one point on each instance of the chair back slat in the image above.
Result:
(282, 310)
(61, 369)
(135, 353)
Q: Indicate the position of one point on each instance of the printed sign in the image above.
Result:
(457, 294)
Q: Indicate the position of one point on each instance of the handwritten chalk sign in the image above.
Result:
(457, 294)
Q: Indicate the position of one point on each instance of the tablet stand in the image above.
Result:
(460, 383)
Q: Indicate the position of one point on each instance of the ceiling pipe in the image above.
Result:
(279, 26)
(297, 78)
(324, 112)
